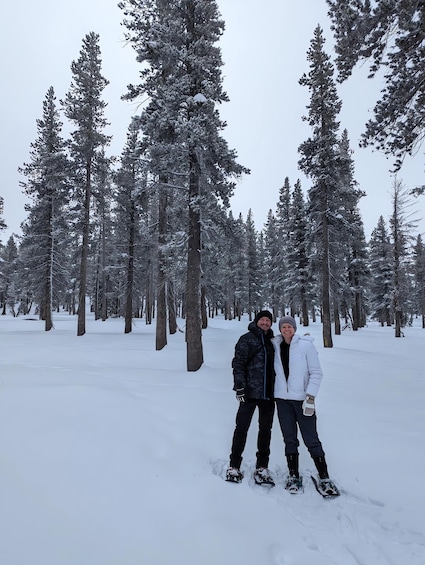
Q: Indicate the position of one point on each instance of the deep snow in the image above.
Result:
(112, 454)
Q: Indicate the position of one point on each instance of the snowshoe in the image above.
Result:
(325, 487)
(234, 475)
(262, 477)
(294, 485)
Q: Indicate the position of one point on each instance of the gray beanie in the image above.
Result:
(288, 320)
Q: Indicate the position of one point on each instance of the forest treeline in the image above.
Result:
(149, 233)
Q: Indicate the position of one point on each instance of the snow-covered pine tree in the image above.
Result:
(176, 43)
(238, 251)
(84, 107)
(273, 264)
(348, 242)
(102, 243)
(392, 36)
(402, 223)
(46, 184)
(254, 266)
(320, 162)
(10, 279)
(381, 274)
(232, 257)
(3, 226)
(130, 199)
(419, 258)
(299, 280)
(282, 219)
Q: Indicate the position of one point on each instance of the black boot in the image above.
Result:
(294, 483)
(321, 466)
(292, 460)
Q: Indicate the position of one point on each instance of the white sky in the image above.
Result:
(264, 51)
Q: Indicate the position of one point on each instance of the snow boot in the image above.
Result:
(324, 485)
(294, 483)
(292, 460)
(234, 475)
(321, 466)
(262, 477)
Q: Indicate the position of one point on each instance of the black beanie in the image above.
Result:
(263, 314)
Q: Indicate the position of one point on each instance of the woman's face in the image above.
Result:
(287, 332)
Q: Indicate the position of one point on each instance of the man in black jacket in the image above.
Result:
(253, 375)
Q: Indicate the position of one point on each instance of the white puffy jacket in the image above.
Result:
(305, 373)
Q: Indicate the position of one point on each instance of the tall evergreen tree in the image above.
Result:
(402, 224)
(9, 274)
(320, 161)
(272, 263)
(3, 226)
(45, 184)
(381, 271)
(348, 239)
(283, 227)
(84, 107)
(254, 267)
(392, 36)
(182, 77)
(102, 243)
(419, 257)
(298, 281)
(130, 181)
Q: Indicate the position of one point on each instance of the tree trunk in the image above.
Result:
(161, 300)
(104, 303)
(337, 320)
(49, 274)
(171, 304)
(195, 356)
(130, 275)
(204, 316)
(81, 329)
(304, 312)
(326, 305)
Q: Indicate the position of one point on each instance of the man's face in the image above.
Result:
(264, 323)
(287, 332)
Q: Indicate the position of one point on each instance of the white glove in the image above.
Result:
(308, 406)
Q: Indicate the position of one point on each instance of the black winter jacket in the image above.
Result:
(253, 363)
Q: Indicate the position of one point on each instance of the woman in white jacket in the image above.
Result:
(298, 378)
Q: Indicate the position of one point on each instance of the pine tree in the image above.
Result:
(348, 242)
(298, 282)
(381, 271)
(283, 227)
(46, 184)
(254, 267)
(182, 77)
(130, 197)
(102, 244)
(84, 107)
(3, 226)
(273, 265)
(402, 224)
(320, 161)
(391, 35)
(419, 258)
(9, 276)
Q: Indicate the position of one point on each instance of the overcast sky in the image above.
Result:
(264, 52)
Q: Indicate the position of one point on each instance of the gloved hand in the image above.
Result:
(308, 405)
(240, 394)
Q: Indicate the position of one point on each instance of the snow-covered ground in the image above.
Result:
(112, 454)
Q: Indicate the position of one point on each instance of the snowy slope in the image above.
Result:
(112, 454)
